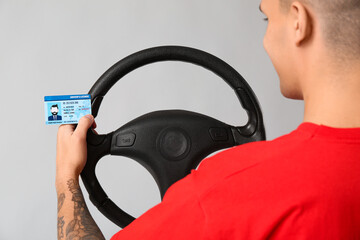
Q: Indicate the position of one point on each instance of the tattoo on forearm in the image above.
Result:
(83, 226)
(60, 220)
(61, 200)
(60, 227)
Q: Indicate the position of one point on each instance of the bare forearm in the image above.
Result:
(74, 219)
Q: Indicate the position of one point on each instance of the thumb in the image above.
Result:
(84, 124)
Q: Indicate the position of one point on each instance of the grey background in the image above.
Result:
(62, 47)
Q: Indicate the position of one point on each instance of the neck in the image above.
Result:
(333, 99)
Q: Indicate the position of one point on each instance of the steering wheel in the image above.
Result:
(167, 143)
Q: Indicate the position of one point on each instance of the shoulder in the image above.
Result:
(245, 157)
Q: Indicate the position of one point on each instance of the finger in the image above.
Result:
(84, 124)
(66, 129)
(94, 125)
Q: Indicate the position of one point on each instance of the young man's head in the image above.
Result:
(54, 109)
(308, 38)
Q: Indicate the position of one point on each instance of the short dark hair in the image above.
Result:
(340, 22)
(55, 105)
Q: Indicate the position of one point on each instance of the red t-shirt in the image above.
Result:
(304, 185)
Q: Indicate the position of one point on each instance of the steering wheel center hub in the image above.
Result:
(174, 144)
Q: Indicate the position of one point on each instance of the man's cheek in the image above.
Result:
(268, 41)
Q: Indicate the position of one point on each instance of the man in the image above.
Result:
(54, 109)
(304, 185)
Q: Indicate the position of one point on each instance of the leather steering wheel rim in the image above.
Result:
(118, 142)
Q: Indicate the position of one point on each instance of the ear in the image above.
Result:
(302, 22)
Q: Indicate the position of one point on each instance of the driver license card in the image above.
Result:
(66, 109)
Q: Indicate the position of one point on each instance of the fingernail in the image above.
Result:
(89, 117)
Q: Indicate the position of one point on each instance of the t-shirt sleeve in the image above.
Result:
(178, 216)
